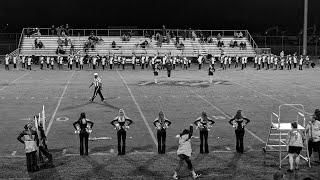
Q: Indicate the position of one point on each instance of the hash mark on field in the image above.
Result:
(58, 105)
(139, 109)
(4, 87)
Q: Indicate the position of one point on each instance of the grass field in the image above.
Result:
(183, 97)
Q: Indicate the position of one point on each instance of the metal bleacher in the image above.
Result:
(192, 48)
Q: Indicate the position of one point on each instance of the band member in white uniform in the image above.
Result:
(133, 62)
(29, 61)
(103, 62)
(81, 62)
(14, 59)
(156, 72)
(23, 62)
(121, 123)
(48, 62)
(7, 58)
(52, 62)
(41, 62)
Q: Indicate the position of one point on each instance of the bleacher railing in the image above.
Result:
(184, 33)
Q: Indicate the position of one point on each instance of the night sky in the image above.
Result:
(254, 15)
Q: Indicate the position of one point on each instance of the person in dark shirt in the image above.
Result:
(121, 123)
(204, 124)
(169, 68)
(161, 123)
(239, 122)
(84, 127)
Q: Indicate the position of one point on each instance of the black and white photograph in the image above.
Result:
(159, 89)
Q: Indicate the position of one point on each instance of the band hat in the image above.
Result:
(95, 74)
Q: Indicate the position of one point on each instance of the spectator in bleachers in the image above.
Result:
(219, 37)
(164, 31)
(113, 44)
(220, 43)
(243, 45)
(67, 30)
(240, 35)
(194, 35)
(53, 30)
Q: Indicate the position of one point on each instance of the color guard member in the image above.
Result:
(161, 123)
(83, 127)
(239, 122)
(204, 124)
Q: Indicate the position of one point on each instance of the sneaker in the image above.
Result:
(196, 176)
(175, 177)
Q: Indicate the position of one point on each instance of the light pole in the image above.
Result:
(305, 27)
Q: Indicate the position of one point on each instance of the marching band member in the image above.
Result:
(142, 62)
(237, 62)
(94, 62)
(213, 60)
(313, 130)
(289, 62)
(77, 61)
(48, 62)
(229, 61)
(103, 62)
(210, 73)
(200, 61)
(60, 62)
(243, 62)
(83, 127)
(23, 62)
(225, 60)
(271, 61)
(81, 62)
(133, 62)
(123, 62)
(111, 62)
(14, 59)
(153, 60)
(52, 62)
(29, 138)
(300, 62)
(161, 123)
(259, 62)
(169, 68)
(255, 61)
(307, 61)
(97, 83)
(276, 62)
(164, 60)
(174, 63)
(121, 123)
(70, 62)
(156, 73)
(295, 60)
(41, 62)
(118, 61)
(204, 124)
(184, 152)
(294, 143)
(185, 63)
(7, 58)
(29, 63)
(282, 61)
(268, 61)
(147, 61)
(189, 63)
(239, 122)
(263, 60)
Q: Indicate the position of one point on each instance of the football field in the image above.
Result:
(65, 94)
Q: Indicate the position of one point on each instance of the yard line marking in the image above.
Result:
(139, 109)
(4, 87)
(250, 132)
(270, 97)
(58, 105)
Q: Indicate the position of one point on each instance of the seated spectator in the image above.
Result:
(240, 35)
(220, 44)
(36, 43)
(66, 41)
(194, 35)
(219, 37)
(60, 50)
(113, 44)
(177, 40)
(235, 43)
(210, 40)
(53, 30)
(231, 44)
(180, 46)
(67, 30)
(40, 45)
(243, 45)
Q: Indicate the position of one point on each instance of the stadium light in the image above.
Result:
(305, 27)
